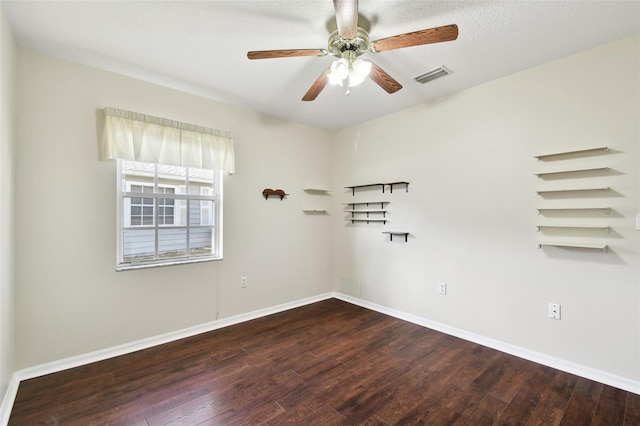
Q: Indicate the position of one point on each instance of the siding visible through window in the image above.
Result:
(168, 214)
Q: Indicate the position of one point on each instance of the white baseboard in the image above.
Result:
(76, 361)
(7, 401)
(557, 363)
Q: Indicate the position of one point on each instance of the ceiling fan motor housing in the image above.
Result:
(340, 47)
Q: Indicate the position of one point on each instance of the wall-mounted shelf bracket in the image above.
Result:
(362, 203)
(392, 233)
(354, 220)
(382, 185)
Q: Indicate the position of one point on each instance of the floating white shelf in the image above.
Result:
(558, 191)
(560, 172)
(578, 152)
(568, 209)
(602, 247)
(315, 211)
(604, 228)
(316, 190)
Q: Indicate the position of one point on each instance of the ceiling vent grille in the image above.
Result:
(433, 74)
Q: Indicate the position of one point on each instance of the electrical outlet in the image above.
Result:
(243, 282)
(554, 310)
(442, 288)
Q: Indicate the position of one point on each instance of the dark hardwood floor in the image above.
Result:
(329, 363)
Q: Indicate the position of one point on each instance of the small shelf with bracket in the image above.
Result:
(366, 203)
(309, 211)
(317, 191)
(602, 247)
(383, 212)
(561, 172)
(382, 185)
(578, 152)
(401, 233)
(268, 192)
(354, 220)
(367, 211)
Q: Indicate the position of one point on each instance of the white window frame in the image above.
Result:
(124, 220)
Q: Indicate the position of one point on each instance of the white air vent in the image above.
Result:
(433, 74)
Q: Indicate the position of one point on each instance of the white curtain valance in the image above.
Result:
(139, 137)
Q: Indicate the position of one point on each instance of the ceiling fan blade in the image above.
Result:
(416, 38)
(289, 53)
(317, 86)
(383, 79)
(346, 18)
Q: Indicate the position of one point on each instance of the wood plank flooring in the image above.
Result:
(329, 363)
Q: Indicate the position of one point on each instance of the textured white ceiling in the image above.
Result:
(201, 46)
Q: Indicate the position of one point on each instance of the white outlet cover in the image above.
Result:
(442, 288)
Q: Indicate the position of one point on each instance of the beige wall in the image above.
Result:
(471, 209)
(7, 143)
(70, 300)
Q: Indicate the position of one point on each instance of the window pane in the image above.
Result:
(173, 176)
(200, 242)
(206, 212)
(170, 221)
(138, 245)
(200, 179)
(138, 174)
(172, 243)
(180, 212)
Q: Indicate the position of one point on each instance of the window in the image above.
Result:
(167, 215)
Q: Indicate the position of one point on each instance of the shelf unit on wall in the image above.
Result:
(559, 193)
(381, 211)
(401, 233)
(316, 192)
(380, 184)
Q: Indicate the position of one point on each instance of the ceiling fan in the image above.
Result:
(349, 39)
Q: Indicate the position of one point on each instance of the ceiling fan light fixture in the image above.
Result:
(353, 72)
(339, 72)
(433, 74)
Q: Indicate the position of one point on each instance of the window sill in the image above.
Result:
(121, 268)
